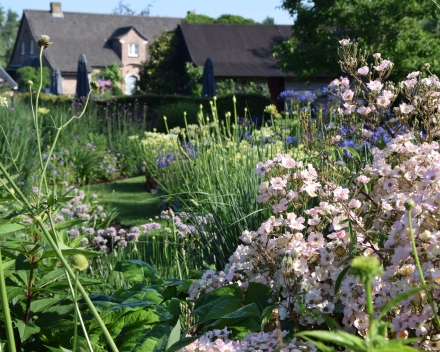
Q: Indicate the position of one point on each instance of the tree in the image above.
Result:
(165, 72)
(29, 73)
(112, 73)
(193, 18)
(125, 9)
(268, 20)
(8, 32)
(397, 29)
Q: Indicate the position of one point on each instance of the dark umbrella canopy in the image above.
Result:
(82, 79)
(208, 79)
(56, 87)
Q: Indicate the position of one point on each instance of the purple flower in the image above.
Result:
(11, 109)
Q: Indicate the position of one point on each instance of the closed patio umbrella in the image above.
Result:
(208, 79)
(56, 87)
(82, 79)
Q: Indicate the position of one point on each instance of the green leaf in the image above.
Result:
(14, 291)
(217, 309)
(85, 281)
(10, 228)
(52, 277)
(70, 251)
(161, 344)
(340, 338)
(340, 278)
(230, 290)
(115, 328)
(52, 315)
(395, 301)
(248, 311)
(258, 294)
(137, 270)
(331, 323)
(185, 286)
(61, 349)
(174, 336)
(153, 314)
(173, 307)
(22, 268)
(381, 144)
(266, 315)
(320, 345)
(183, 342)
(141, 291)
(242, 328)
(143, 338)
(40, 305)
(25, 330)
(396, 349)
(8, 264)
(110, 312)
(64, 199)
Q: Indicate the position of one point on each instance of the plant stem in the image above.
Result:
(75, 314)
(370, 314)
(422, 278)
(5, 309)
(80, 287)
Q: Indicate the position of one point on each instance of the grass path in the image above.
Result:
(130, 199)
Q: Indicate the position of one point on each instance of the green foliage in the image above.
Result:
(229, 86)
(164, 72)
(405, 32)
(8, 31)
(194, 18)
(226, 18)
(174, 114)
(29, 73)
(268, 20)
(195, 75)
(113, 74)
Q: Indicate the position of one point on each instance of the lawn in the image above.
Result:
(130, 198)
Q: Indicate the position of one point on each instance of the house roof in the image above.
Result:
(89, 33)
(6, 80)
(236, 50)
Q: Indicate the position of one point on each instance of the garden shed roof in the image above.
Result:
(237, 50)
(89, 33)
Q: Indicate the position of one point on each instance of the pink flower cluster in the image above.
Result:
(218, 341)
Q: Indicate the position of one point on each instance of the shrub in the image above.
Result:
(174, 114)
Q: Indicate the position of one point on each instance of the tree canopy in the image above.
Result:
(406, 32)
(194, 18)
(8, 31)
(29, 73)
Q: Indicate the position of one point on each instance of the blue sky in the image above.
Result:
(255, 9)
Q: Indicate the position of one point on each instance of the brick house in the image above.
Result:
(103, 38)
(243, 52)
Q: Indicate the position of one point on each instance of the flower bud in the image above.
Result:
(44, 42)
(426, 67)
(80, 262)
(94, 85)
(366, 268)
(30, 83)
(409, 204)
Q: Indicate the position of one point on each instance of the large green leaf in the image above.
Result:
(340, 278)
(242, 328)
(110, 312)
(13, 290)
(183, 342)
(141, 291)
(85, 281)
(173, 307)
(258, 294)
(10, 228)
(52, 277)
(25, 330)
(153, 314)
(22, 268)
(52, 315)
(231, 290)
(185, 286)
(137, 270)
(143, 338)
(340, 338)
(174, 335)
(217, 309)
(40, 305)
(265, 316)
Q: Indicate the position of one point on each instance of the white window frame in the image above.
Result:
(22, 48)
(133, 50)
(31, 47)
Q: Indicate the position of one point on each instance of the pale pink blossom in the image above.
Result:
(406, 108)
(377, 55)
(375, 86)
(364, 70)
(345, 42)
(364, 110)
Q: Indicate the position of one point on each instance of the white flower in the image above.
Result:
(383, 101)
(377, 55)
(364, 110)
(335, 83)
(367, 133)
(375, 86)
(406, 108)
(348, 95)
(413, 74)
(344, 42)
(364, 70)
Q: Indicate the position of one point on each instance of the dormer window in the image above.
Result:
(22, 48)
(133, 50)
(31, 47)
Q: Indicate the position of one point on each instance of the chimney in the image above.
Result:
(191, 13)
(55, 9)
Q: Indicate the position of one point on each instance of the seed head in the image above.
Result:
(80, 262)
(44, 42)
(409, 204)
(43, 111)
(94, 85)
(426, 67)
(365, 268)
(30, 83)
